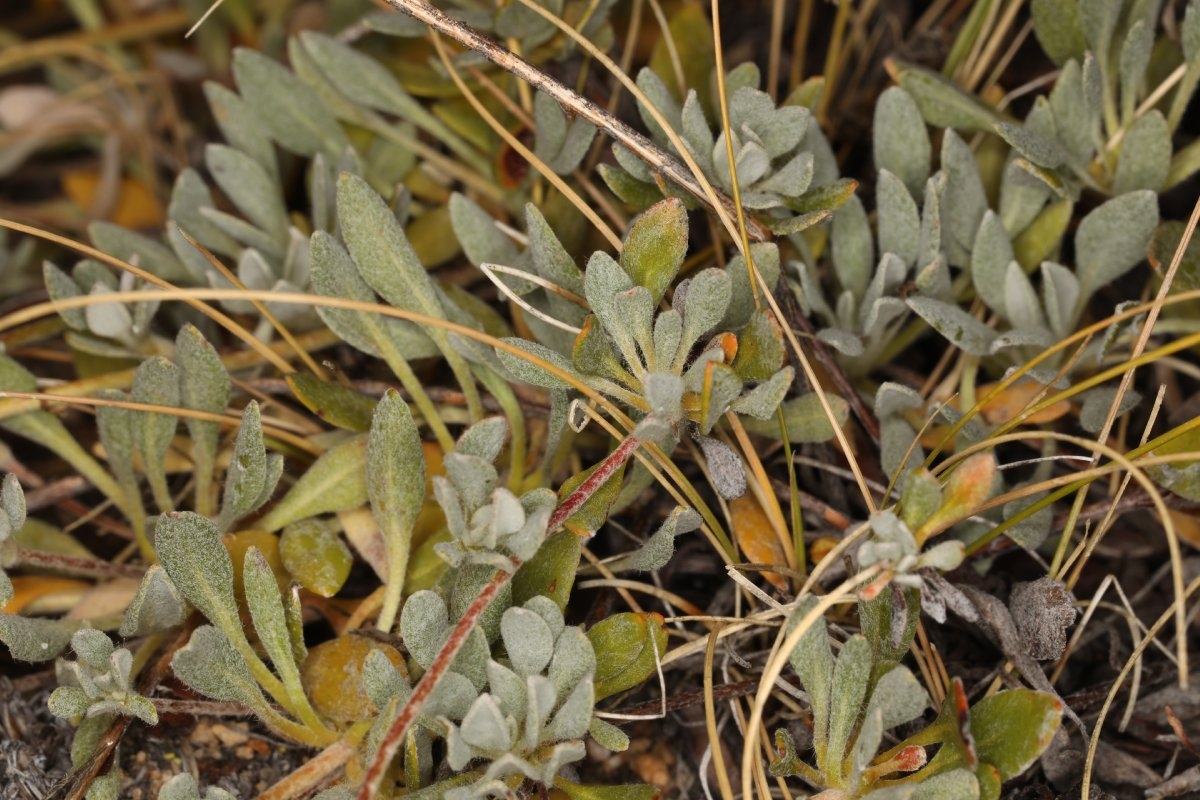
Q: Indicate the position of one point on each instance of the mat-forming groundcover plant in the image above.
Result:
(518, 399)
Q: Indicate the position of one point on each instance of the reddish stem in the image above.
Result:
(394, 737)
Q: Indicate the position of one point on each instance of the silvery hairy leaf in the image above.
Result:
(853, 247)
(190, 550)
(528, 640)
(334, 274)
(964, 200)
(1113, 238)
(1037, 147)
(267, 613)
(424, 624)
(209, 664)
(963, 330)
(246, 478)
(155, 382)
(899, 220)
(254, 191)
(35, 639)
(158, 606)
(562, 144)
(812, 659)
(1056, 25)
(901, 142)
(1145, 155)
(288, 109)
(1132, 62)
(1074, 117)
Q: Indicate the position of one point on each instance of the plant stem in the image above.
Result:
(394, 738)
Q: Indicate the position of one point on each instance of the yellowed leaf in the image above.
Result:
(755, 536)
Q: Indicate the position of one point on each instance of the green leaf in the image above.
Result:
(899, 220)
(203, 386)
(315, 556)
(527, 372)
(812, 659)
(1145, 155)
(156, 607)
(1113, 238)
(969, 485)
(608, 736)
(286, 107)
(1166, 241)
(1012, 728)
(1132, 63)
(628, 649)
(334, 274)
(760, 352)
(395, 476)
(335, 482)
(901, 141)
(246, 477)
(60, 287)
(805, 419)
(551, 572)
(964, 201)
(655, 246)
(851, 674)
(964, 331)
(853, 247)
(266, 611)
(1042, 238)
(209, 664)
(1037, 147)
(338, 405)
(254, 191)
(155, 382)
(35, 639)
(1056, 25)
(382, 252)
(942, 103)
(190, 550)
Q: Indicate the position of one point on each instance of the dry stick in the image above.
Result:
(635, 142)
(394, 737)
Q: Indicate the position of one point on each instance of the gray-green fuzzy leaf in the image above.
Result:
(255, 192)
(901, 141)
(190, 550)
(1056, 24)
(395, 474)
(1113, 238)
(246, 476)
(964, 200)
(964, 331)
(382, 252)
(850, 677)
(812, 659)
(1145, 155)
(334, 274)
(209, 664)
(156, 607)
(35, 639)
(334, 482)
(853, 246)
(266, 611)
(942, 103)
(527, 640)
(287, 108)
(527, 372)
(899, 220)
(655, 246)
(155, 382)
(990, 257)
